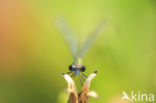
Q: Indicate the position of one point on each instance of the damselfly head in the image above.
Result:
(77, 68)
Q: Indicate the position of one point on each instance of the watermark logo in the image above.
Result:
(139, 97)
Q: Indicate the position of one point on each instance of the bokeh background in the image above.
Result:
(33, 55)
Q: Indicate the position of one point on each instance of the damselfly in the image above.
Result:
(77, 68)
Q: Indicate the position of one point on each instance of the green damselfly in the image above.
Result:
(77, 68)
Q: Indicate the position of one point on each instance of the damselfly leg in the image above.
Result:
(80, 80)
(83, 77)
(68, 72)
(72, 75)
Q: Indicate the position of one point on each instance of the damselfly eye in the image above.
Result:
(83, 68)
(70, 68)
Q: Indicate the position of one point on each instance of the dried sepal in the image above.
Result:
(72, 91)
(83, 96)
(85, 93)
(93, 94)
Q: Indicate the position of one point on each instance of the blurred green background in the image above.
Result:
(33, 55)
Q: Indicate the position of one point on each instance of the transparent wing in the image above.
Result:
(67, 35)
(91, 39)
